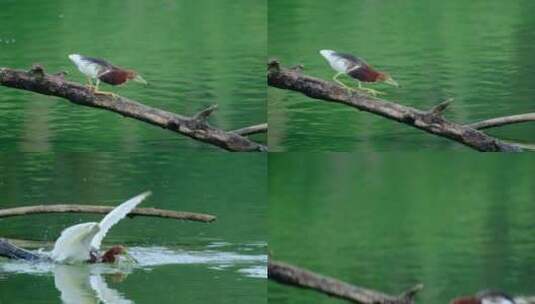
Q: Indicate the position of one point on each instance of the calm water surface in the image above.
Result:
(390, 221)
(478, 52)
(192, 53)
(179, 262)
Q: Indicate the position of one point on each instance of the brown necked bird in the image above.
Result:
(101, 70)
(356, 68)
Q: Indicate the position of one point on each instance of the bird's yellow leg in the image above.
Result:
(335, 78)
(369, 91)
(372, 91)
(97, 92)
(90, 83)
(360, 88)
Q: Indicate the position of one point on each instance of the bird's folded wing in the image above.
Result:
(115, 216)
(354, 68)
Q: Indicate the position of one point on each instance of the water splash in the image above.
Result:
(250, 265)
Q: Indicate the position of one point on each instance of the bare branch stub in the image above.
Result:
(273, 65)
(205, 113)
(428, 121)
(411, 293)
(37, 71)
(299, 68)
(439, 109)
(503, 121)
(36, 80)
(287, 274)
(256, 129)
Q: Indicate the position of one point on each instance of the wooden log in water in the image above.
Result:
(11, 251)
(298, 277)
(68, 208)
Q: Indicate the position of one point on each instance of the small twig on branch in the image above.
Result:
(291, 275)
(203, 114)
(502, 121)
(440, 108)
(256, 129)
(428, 121)
(36, 80)
(63, 208)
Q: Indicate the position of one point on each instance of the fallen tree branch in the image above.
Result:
(11, 251)
(196, 127)
(260, 128)
(429, 121)
(525, 300)
(502, 121)
(63, 208)
(291, 275)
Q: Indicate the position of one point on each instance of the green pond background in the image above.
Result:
(456, 223)
(192, 53)
(480, 53)
(186, 262)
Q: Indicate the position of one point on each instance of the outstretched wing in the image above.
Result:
(115, 216)
(74, 243)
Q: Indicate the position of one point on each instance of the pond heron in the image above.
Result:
(486, 297)
(101, 70)
(356, 68)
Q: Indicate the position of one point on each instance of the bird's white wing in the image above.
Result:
(105, 294)
(115, 216)
(342, 63)
(74, 243)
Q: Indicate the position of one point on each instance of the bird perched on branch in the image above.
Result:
(101, 70)
(81, 242)
(356, 68)
(486, 297)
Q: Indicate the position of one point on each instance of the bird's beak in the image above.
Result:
(130, 258)
(391, 82)
(140, 79)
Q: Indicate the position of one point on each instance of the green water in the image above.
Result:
(478, 52)
(389, 221)
(192, 53)
(179, 262)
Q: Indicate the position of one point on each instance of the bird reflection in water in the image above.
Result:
(81, 284)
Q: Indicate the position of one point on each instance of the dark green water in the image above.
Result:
(455, 223)
(180, 262)
(478, 52)
(192, 53)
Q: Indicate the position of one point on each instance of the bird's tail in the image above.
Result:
(327, 53)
